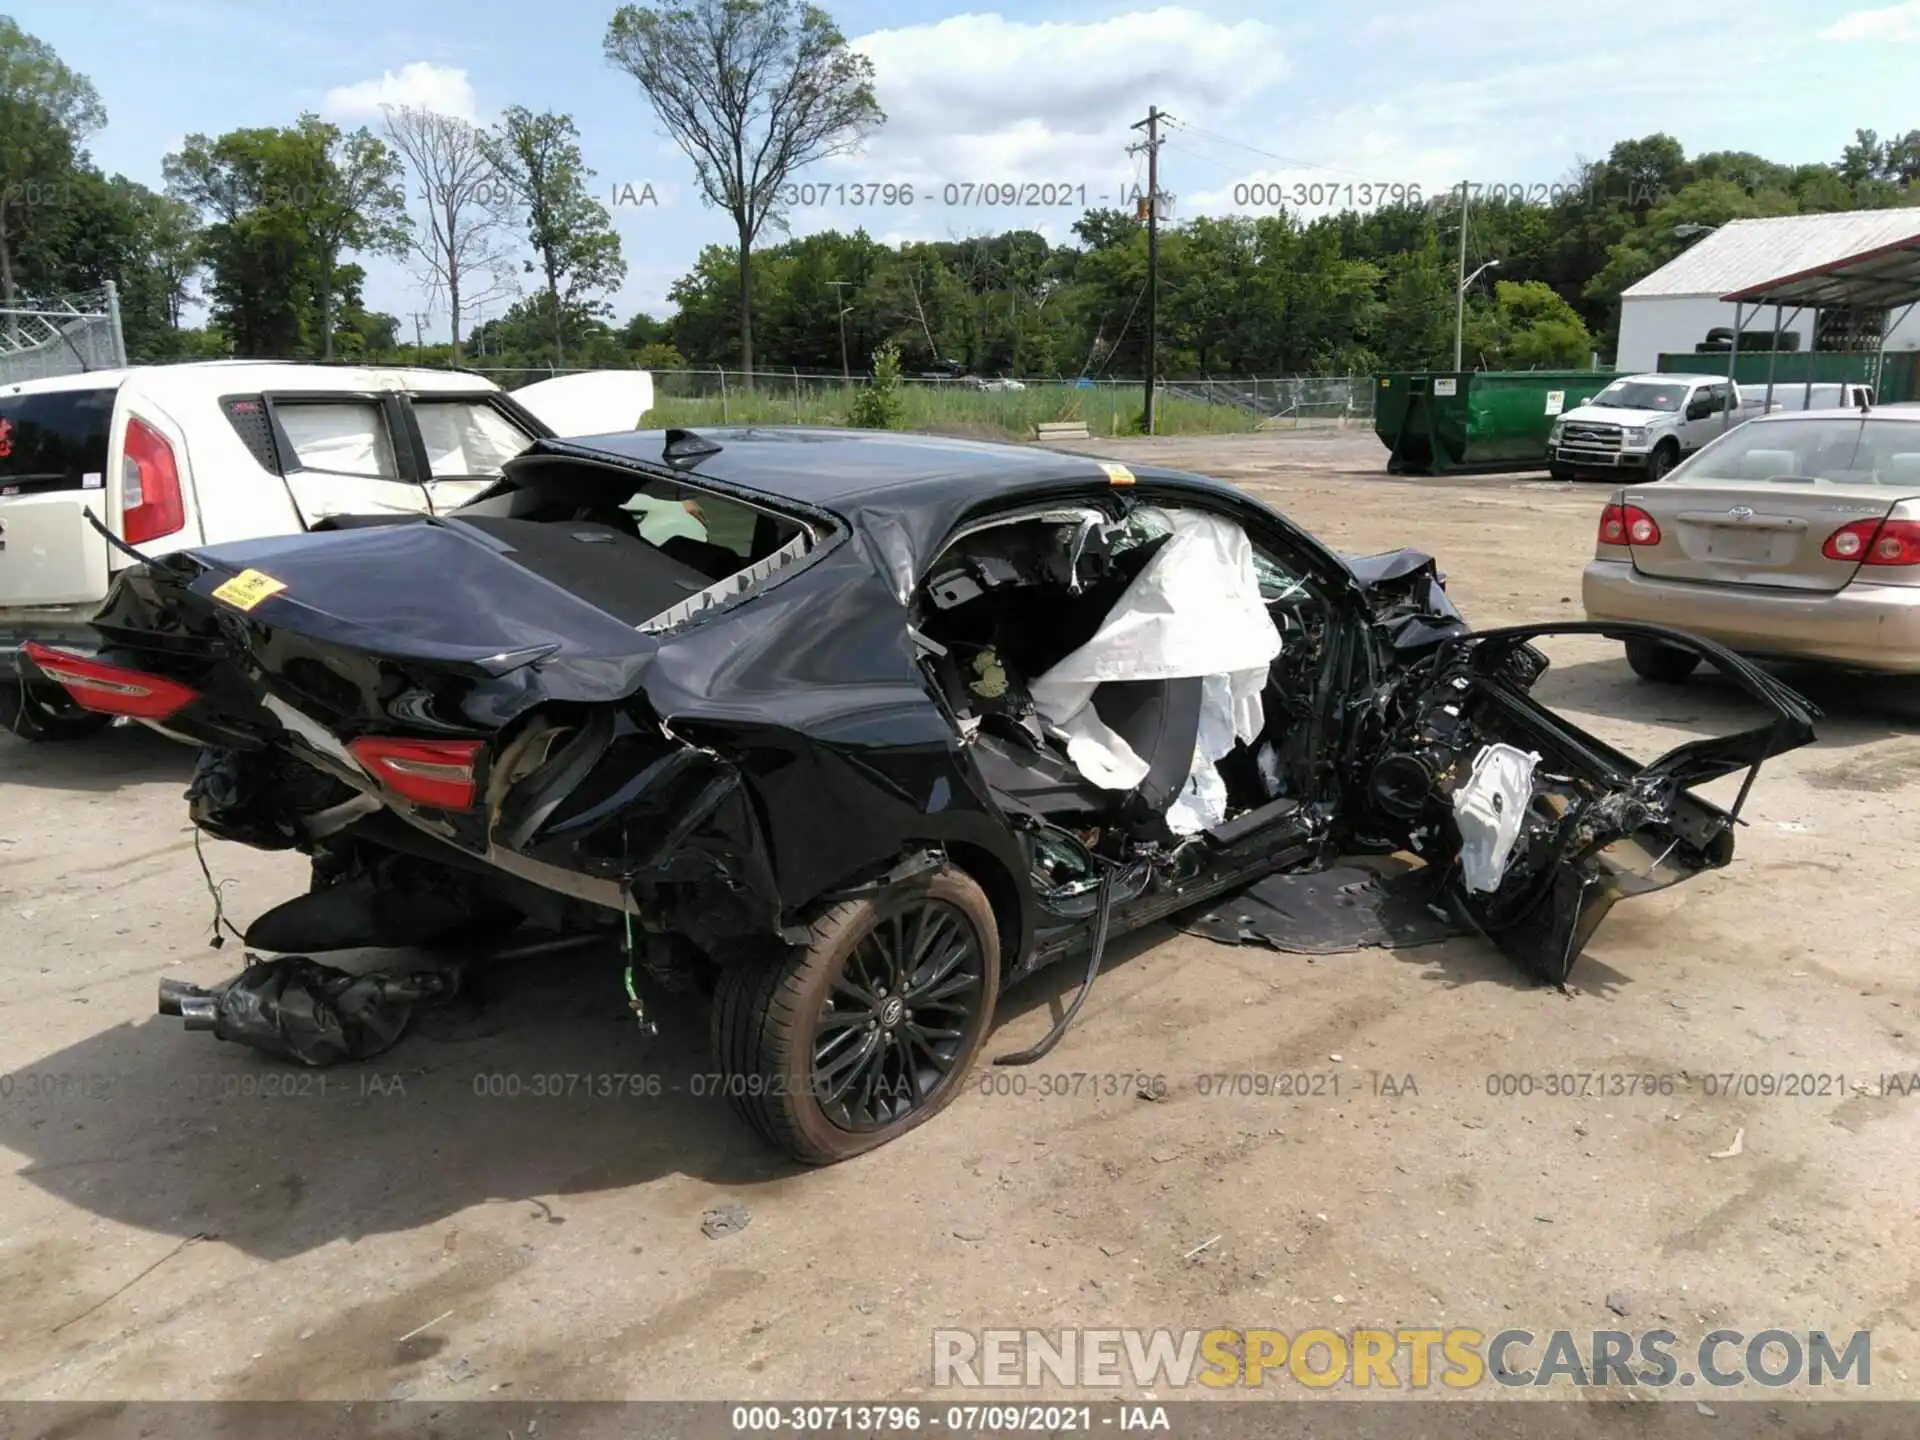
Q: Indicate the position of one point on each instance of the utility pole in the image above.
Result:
(839, 303)
(1152, 146)
(1460, 282)
(418, 342)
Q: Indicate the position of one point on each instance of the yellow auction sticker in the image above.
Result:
(1117, 473)
(248, 589)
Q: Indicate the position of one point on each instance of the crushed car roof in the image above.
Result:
(848, 469)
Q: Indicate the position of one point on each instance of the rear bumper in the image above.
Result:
(64, 626)
(1866, 626)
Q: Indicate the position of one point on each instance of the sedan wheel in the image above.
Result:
(868, 1030)
(1663, 664)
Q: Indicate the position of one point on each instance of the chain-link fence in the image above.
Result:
(1286, 399)
(60, 336)
(998, 407)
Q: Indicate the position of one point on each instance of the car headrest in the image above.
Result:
(1903, 468)
(1764, 464)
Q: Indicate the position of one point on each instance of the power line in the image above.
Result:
(1125, 325)
(1294, 161)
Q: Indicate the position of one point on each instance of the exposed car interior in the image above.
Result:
(1006, 602)
(649, 550)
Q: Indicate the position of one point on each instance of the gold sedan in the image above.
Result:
(1794, 536)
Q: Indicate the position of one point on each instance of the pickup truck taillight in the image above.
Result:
(149, 485)
(110, 689)
(439, 773)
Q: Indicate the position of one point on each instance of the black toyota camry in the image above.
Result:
(848, 731)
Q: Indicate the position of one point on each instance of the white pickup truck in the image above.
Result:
(169, 457)
(1650, 423)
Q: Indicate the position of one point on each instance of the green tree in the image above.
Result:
(147, 244)
(264, 270)
(658, 355)
(1528, 327)
(47, 111)
(538, 156)
(753, 91)
(878, 405)
(641, 329)
(345, 195)
(284, 207)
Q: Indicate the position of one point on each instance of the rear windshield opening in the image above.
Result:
(55, 440)
(655, 552)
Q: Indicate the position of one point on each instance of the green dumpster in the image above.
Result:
(1433, 422)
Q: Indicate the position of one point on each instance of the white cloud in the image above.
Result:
(420, 85)
(1891, 22)
(980, 98)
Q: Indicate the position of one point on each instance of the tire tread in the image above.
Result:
(759, 1019)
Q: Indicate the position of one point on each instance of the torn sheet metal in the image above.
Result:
(1195, 610)
(1489, 808)
(1329, 912)
(298, 1009)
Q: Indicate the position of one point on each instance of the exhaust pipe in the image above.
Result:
(173, 993)
(197, 1007)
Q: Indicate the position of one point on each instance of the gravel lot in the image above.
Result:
(179, 1219)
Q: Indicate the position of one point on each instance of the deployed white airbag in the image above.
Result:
(1194, 610)
(1488, 808)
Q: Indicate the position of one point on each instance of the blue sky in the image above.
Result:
(1389, 94)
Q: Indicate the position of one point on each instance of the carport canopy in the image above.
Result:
(1884, 277)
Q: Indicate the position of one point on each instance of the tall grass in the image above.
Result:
(952, 410)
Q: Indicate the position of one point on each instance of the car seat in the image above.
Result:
(1159, 719)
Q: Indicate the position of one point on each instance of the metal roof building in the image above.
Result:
(1671, 310)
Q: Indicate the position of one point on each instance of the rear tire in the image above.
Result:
(820, 1051)
(1662, 664)
(45, 712)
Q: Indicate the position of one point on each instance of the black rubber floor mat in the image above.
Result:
(1326, 912)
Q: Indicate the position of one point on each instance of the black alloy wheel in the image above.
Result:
(901, 1012)
(868, 1029)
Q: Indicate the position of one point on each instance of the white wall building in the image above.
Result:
(1672, 309)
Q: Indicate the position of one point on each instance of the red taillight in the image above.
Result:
(1875, 542)
(427, 772)
(110, 689)
(1628, 525)
(149, 485)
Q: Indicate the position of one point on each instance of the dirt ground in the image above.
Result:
(179, 1219)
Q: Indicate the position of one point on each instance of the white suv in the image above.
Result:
(170, 457)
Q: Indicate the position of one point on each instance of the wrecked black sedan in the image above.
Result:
(850, 730)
